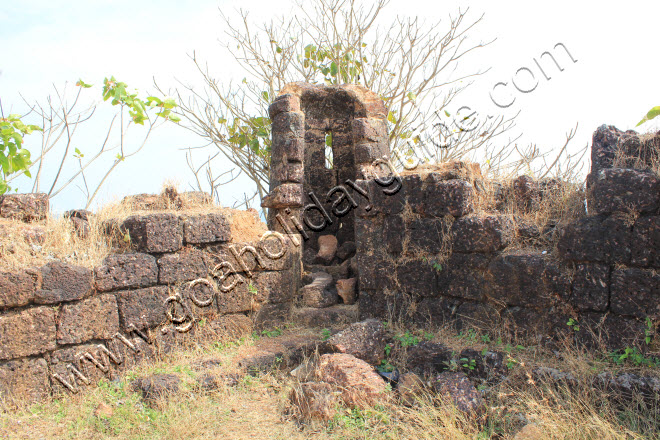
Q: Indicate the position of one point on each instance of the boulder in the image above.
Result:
(410, 386)
(458, 389)
(360, 385)
(320, 292)
(346, 290)
(428, 358)
(327, 249)
(156, 386)
(365, 340)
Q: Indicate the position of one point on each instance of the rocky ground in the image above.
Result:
(365, 380)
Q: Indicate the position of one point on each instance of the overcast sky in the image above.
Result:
(614, 80)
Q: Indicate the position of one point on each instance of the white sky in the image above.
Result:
(50, 42)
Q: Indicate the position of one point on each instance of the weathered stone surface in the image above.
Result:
(475, 314)
(125, 271)
(71, 368)
(605, 239)
(613, 331)
(416, 278)
(186, 265)
(346, 290)
(369, 129)
(458, 389)
(18, 288)
(442, 197)
(435, 311)
(635, 292)
(410, 386)
(481, 234)
(206, 228)
(327, 249)
(327, 316)
(289, 122)
(287, 195)
(275, 287)
(155, 232)
(527, 279)
(629, 386)
(464, 276)
(63, 282)
(591, 287)
(425, 235)
(619, 189)
(360, 385)
(241, 298)
(346, 250)
(646, 242)
(26, 333)
(93, 318)
(143, 308)
(233, 326)
(428, 358)
(314, 400)
(24, 380)
(284, 103)
(365, 340)
(157, 386)
(320, 293)
(25, 207)
(604, 144)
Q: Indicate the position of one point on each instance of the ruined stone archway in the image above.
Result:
(303, 116)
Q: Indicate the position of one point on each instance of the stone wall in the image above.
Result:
(186, 279)
(603, 272)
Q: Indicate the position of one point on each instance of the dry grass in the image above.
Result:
(639, 152)
(35, 244)
(258, 406)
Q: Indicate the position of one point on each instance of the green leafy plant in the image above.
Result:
(325, 334)
(253, 290)
(407, 339)
(633, 356)
(654, 112)
(573, 324)
(272, 333)
(649, 331)
(13, 157)
(470, 364)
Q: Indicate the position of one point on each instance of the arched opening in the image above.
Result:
(329, 158)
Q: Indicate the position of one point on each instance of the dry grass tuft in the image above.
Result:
(639, 152)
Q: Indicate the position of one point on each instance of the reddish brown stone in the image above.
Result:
(26, 207)
(143, 308)
(284, 103)
(346, 290)
(183, 266)
(289, 122)
(359, 383)
(320, 293)
(124, 271)
(459, 390)
(365, 340)
(64, 282)
(93, 318)
(283, 196)
(646, 242)
(618, 189)
(206, 228)
(591, 287)
(443, 197)
(154, 232)
(605, 239)
(24, 380)
(17, 289)
(274, 287)
(635, 292)
(481, 234)
(28, 332)
(328, 316)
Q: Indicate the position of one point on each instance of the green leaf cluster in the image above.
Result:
(13, 157)
(655, 111)
(118, 92)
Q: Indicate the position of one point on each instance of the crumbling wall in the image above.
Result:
(603, 274)
(300, 182)
(185, 279)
